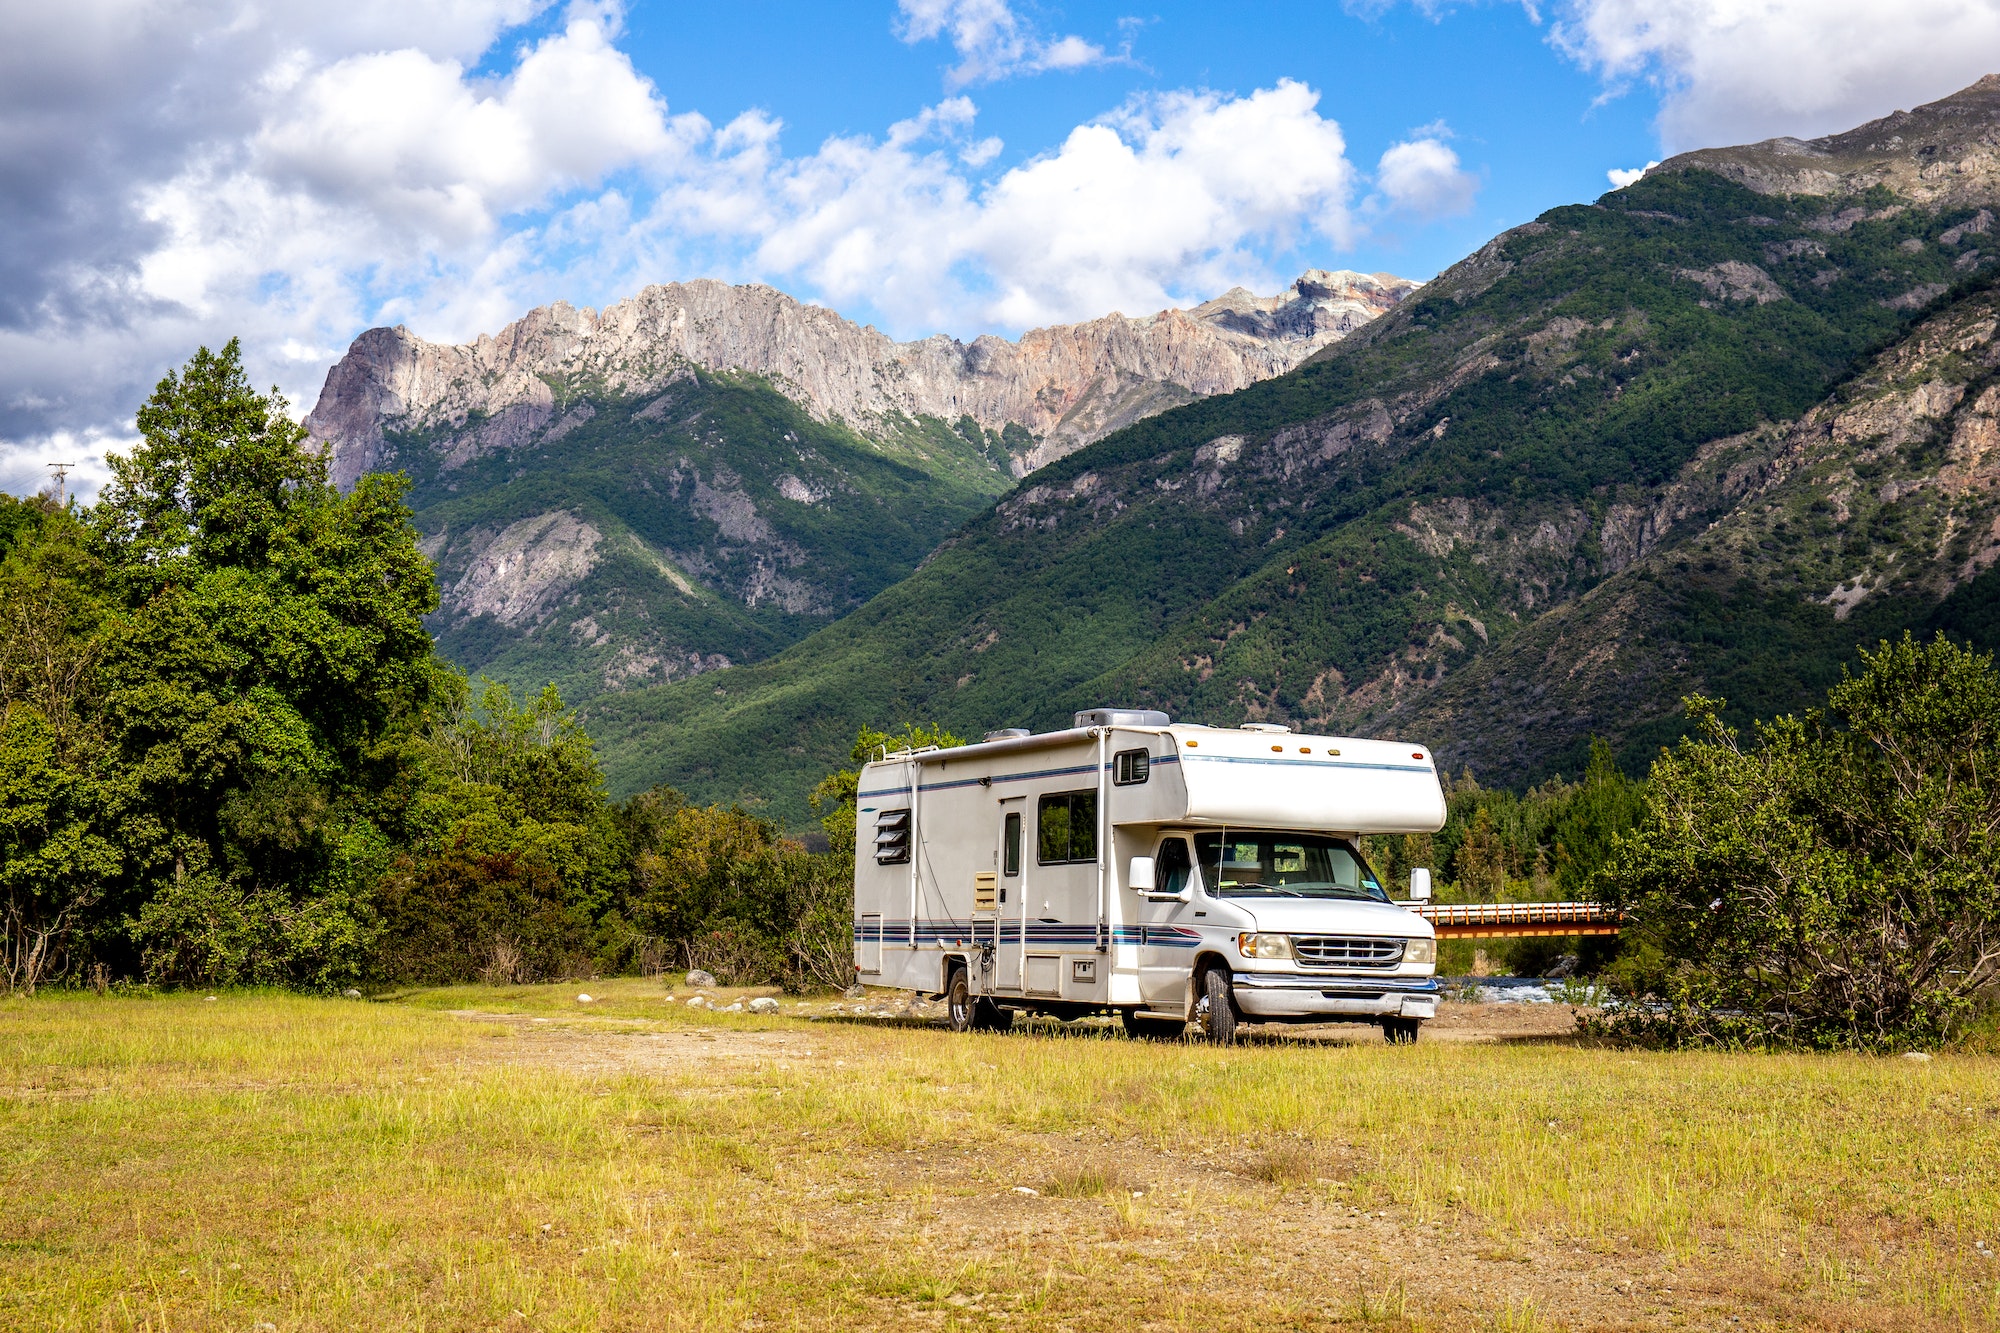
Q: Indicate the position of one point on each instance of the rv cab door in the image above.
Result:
(1165, 944)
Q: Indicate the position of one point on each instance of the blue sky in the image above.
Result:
(177, 172)
(1533, 125)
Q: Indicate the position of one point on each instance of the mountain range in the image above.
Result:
(704, 473)
(1706, 434)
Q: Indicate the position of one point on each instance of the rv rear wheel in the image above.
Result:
(1400, 1031)
(1215, 1008)
(1150, 1029)
(958, 1001)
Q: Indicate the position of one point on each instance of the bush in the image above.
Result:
(1836, 883)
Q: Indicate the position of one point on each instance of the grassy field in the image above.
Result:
(512, 1159)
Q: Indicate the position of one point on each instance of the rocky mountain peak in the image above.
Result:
(1065, 385)
(1942, 154)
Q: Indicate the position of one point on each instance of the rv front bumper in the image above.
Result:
(1290, 995)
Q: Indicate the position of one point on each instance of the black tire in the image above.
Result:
(958, 1001)
(1401, 1031)
(1215, 1008)
(990, 1017)
(1150, 1029)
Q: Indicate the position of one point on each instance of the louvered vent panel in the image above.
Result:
(892, 837)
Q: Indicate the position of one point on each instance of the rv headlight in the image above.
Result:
(1264, 946)
(1420, 951)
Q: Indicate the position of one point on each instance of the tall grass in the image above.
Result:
(178, 1163)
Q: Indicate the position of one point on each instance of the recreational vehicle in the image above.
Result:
(1168, 873)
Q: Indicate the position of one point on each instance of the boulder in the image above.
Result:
(857, 992)
(700, 978)
(763, 1004)
(736, 1008)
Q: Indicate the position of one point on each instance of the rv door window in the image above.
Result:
(1131, 767)
(1066, 828)
(1284, 865)
(1011, 851)
(1170, 871)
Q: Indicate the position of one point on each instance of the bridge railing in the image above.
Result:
(1517, 920)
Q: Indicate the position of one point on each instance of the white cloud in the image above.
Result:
(305, 173)
(1422, 176)
(1737, 71)
(1170, 198)
(1620, 177)
(992, 41)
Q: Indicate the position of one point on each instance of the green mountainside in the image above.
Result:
(1615, 403)
(675, 532)
(702, 473)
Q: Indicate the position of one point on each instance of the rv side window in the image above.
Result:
(1011, 854)
(1066, 828)
(892, 838)
(1131, 767)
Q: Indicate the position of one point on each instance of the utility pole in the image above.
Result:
(62, 473)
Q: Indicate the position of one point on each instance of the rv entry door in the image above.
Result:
(1008, 859)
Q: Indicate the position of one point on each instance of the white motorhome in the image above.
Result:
(1169, 873)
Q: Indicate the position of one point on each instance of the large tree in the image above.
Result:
(266, 634)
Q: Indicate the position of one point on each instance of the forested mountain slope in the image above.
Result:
(702, 474)
(1339, 546)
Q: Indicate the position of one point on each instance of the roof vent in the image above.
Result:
(1008, 734)
(1263, 726)
(1122, 717)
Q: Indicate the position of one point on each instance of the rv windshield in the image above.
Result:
(1284, 865)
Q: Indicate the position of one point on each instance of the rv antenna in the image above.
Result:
(62, 471)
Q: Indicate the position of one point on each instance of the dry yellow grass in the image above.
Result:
(176, 1163)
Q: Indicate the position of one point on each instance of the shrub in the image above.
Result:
(1837, 881)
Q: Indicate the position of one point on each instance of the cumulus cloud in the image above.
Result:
(991, 40)
(1737, 71)
(1422, 176)
(295, 175)
(1170, 197)
(1620, 177)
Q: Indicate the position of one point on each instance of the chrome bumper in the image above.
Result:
(1291, 995)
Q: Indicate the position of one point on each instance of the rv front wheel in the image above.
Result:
(1215, 1008)
(958, 1001)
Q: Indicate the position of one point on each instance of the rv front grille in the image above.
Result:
(1346, 951)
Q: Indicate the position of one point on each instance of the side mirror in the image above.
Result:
(1420, 886)
(1141, 875)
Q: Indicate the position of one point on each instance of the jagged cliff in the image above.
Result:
(1064, 386)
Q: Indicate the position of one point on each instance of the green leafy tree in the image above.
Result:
(60, 789)
(509, 858)
(265, 639)
(1836, 881)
